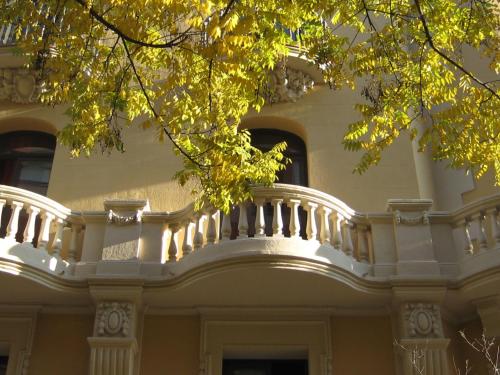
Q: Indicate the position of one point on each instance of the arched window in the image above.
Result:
(26, 160)
(296, 172)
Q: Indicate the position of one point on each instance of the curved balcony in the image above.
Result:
(284, 222)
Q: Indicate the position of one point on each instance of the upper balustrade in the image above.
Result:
(282, 220)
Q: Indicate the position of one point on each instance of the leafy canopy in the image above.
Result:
(191, 69)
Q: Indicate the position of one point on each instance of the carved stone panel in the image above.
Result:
(286, 84)
(422, 320)
(114, 319)
(19, 85)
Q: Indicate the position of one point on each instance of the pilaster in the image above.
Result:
(489, 311)
(421, 344)
(413, 238)
(114, 346)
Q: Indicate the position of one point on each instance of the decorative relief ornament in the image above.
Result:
(19, 85)
(423, 320)
(406, 220)
(113, 319)
(123, 220)
(287, 85)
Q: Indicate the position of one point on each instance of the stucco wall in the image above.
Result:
(60, 346)
(170, 345)
(146, 168)
(366, 338)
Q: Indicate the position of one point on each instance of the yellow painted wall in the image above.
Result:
(60, 346)
(362, 345)
(483, 187)
(170, 345)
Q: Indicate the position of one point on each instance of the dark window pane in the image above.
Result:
(264, 367)
(296, 172)
(26, 160)
(3, 364)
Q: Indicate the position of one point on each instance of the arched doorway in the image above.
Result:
(296, 173)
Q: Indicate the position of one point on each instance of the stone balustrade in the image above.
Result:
(287, 220)
(7, 35)
(39, 223)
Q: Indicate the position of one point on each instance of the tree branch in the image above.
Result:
(430, 40)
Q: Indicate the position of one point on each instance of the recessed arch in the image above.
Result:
(13, 124)
(275, 122)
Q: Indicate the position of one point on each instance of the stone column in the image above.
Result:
(422, 344)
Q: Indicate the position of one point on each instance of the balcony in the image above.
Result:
(407, 242)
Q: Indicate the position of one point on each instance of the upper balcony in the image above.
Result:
(285, 223)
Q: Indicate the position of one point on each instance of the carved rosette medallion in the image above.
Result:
(19, 85)
(113, 319)
(286, 84)
(422, 320)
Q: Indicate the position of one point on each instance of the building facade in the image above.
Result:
(105, 268)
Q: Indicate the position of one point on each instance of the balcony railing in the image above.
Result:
(7, 35)
(291, 220)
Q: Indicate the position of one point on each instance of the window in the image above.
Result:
(3, 364)
(264, 367)
(296, 172)
(26, 160)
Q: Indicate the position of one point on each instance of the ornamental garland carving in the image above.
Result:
(422, 320)
(417, 220)
(123, 220)
(113, 319)
(19, 85)
(286, 84)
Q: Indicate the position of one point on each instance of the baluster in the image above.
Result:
(187, 244)
(243, 221)
(14, 220)
(198, 231)
(260, 223)
(337, 231)
(369, 242)
(469, 247)
(57, 242)
(362, 243)
(2, 204)
(348, 247)
(211, 229)
(174, 239)
(73, 245)
(481, 234)
(277, 218)
(44, 235)
(492, 214)
(226, 225)
(294, 217)
(29, 231)
(324, 234)
(311, 227)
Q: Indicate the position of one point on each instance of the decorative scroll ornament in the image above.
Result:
(19, 85)
(423, 320)
(287, 84)
(123, 220)
(113, 319)
(417, 220)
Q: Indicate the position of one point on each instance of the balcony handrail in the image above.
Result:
(10, 193)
